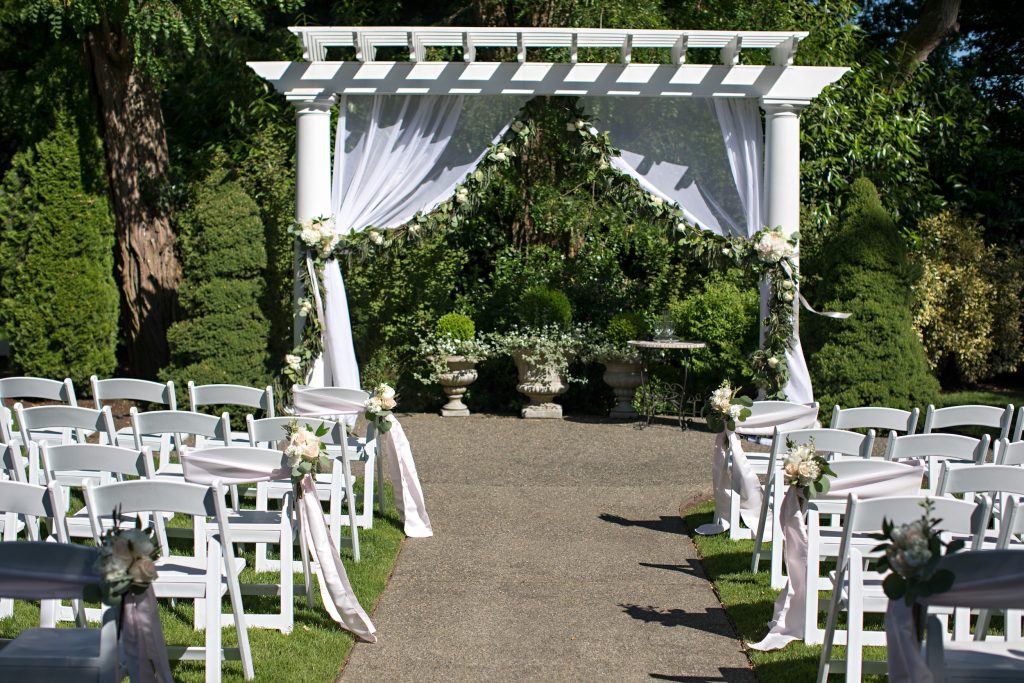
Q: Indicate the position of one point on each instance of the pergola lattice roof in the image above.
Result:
(318, 77)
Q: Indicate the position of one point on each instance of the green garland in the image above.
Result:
(768, 253)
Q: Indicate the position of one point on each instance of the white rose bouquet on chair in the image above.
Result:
(307, 454)
(804, 468)
(127, 562)
(725, 407)
(379, 406)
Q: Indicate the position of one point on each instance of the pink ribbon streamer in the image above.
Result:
(203, 467)
(412, 508)
(789, 617)
(142, 638)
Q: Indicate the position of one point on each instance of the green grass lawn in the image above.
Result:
(748, 599)
(982, 397)
(316, 648)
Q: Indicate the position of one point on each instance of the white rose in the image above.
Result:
(310, 451)
(681, 227)
(603, 165)
(658, 201)
(309, 235)
(787, 296)
(787, 284)
(580, 124)
(773, 362)
(386, 391)
(517, 126)
(499, 156)
(374, 405)
(389, 403)
(375, 237)
(734, 411)
(293, 361)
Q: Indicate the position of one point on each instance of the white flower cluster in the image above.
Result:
(502, 153)
(461, 194)
(293, 361)
(127, 555)
(909, 552)
(303, 445)
(520, 128)
(319, 234)
(773, 246)
(800, 465)
(383, 399)
(721, 401)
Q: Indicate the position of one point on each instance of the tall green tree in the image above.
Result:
(125, 45)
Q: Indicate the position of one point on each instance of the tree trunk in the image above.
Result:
(135, 144)
(938, 19)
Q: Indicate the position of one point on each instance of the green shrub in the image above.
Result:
(60, 302)
(968, 300)
(456, 326)
(223, 335)
(626, 326)
(542, 306)
(724, 316)
(875, 357)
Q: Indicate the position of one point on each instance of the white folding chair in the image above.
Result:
(142, 393)
(22, 506)
(76, 424)
(271, 432)
(48, 571)
(200, 395)
(1018, 428)
(858, 591)
(933, 449)
(178, 425)
(13, 463)
(765, 417)
(15, 389)
(204, 579)
(980, 659)
(892, 420)
(1009, 452)
(834, 442)
(988, 417)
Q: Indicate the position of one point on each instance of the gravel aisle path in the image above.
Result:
(558, 555)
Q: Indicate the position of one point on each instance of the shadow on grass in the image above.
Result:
(669, 525)
(711, 620)
(729, 675)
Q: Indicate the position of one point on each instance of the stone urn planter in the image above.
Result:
(460, 374)
(539, 384)
(624, 377)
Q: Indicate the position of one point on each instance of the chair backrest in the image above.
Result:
(938, 446)
(37, 388)
(890, 419)
(983, 579)
(179, 423)
(1009, 452)
(38, 570)
(989, 417)
(32, 500)
(91, 457)
(1018, 428)
(266, 433)
(825, 440)
(64, 417)
(858, 467)
(140, 390)
(980, 479)
(231, 395)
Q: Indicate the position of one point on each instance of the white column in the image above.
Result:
(312, 189)
(782, 184)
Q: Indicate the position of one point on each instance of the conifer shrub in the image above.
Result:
(59, 302)
(875, 357)
(223, 334)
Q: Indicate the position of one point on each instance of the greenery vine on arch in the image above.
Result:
(768, 253)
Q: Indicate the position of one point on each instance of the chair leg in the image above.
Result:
(210, 607)
(306, 569)
(262, 504)
(287, 576)
(830, 626)
(855, 624)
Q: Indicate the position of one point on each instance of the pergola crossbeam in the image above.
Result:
(317, 40)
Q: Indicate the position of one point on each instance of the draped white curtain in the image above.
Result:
(708, 158)
(395, 155)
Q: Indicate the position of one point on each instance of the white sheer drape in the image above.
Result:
(708, 158)
(396, 155)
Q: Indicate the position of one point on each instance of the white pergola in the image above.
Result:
(781, 89)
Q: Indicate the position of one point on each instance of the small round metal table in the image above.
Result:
(671, 393)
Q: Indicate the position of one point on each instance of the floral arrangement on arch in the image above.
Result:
(769, 252)
(127, 562)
